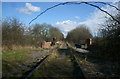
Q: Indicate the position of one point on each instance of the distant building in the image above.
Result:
(46, 44)
(84, 43)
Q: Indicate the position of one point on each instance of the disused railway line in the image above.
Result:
(74, 54)
(35, 67)
(28, 73)
(77, 73)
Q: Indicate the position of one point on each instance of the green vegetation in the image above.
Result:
(11, 59)
(55, 66)
(15, 55)
(107, 45)
(18, 41)
(98, 67)
(15, 33)
(79, 33)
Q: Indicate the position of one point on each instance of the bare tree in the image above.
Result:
(12, 32)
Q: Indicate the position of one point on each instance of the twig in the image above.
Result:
(47, 10)
(109, 5)
(103, 11)
(79, 3)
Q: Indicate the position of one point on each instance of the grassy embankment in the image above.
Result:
(100, 68)
(12, 59)
(97, 66)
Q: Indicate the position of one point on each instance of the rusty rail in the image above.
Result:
(73, 52)
(29, 73)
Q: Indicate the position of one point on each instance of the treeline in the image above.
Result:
(108, 44)
(16, 33)
(80, 33)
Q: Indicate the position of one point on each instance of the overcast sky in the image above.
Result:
(65, 17)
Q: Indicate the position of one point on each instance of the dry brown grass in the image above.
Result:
(14, 47)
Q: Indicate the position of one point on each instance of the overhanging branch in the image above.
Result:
(47, 10)
(88, 3)
(109, 5)
(103, 11)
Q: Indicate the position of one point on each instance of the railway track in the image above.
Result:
(80, 72)
(29, 72)
(77, 70)
(78, 65)
(35, 67)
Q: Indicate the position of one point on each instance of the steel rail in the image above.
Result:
(82, 73)
(35, 67)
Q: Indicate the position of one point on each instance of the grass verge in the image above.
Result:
(12, 59)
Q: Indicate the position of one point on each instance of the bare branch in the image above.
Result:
(67, 3)
(103, 11)
(47, 10)
(51, 8)
(101, 3)
(109, 5)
